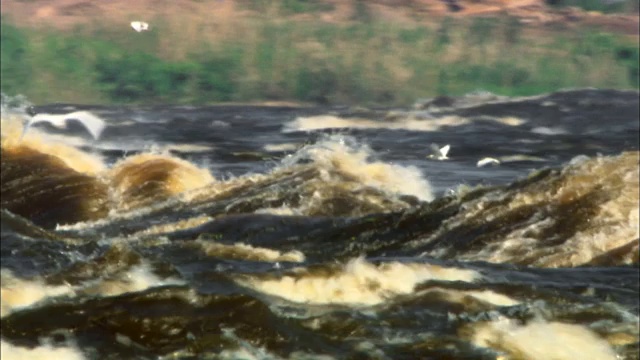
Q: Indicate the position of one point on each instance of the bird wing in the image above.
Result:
(487, 161)
(139, 26)
(54, 120)
(91, 122)
(58, 121)
(445, 150)
(435, 149)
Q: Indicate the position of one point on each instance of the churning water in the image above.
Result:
(249, 232)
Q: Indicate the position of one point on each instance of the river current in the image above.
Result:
(304, 232)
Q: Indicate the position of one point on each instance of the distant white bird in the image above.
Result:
(439, 153)
(92, 123)
(488, 161)
(139, 26)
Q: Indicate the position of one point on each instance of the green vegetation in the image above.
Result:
(365, 62)
(14, 69)
(288, 7)
(619, 6)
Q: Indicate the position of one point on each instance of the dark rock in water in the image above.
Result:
(43, 189)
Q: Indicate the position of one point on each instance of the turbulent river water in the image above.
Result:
(272, 232)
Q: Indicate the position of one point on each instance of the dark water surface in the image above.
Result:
(261, 232)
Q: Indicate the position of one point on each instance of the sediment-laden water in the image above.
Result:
(263, 232)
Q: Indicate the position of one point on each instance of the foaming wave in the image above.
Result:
(142, 179)
(16, 294)
(13, 142)
(13, 106)
(282, 210)
(19, 294)
(248, 252)
(281, 147)
(462, 296)
(333, 122)
(540, 340)
(44, 352)
(188, 148)
(338, 179)
(179, 225)
(247, 351)
(357, 283)
(341, 153)
(404, 121)
(50, 183)
(586, 214)
(138, 278)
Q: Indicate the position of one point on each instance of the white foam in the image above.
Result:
(9, 351)
(409, 121)
(487, 296)
(16, 294)
(281, 147)
(333, 122)
(53, 145)
(175, 226)
(138, 278)
(543, 341)
(551, 131)
(613, 224)
(248, 252)
(515, 158)
(343, 153)
(188, 148)
(357, 283)
(242, 354)
(282, 210)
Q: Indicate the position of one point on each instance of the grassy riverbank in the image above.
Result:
(258, 59)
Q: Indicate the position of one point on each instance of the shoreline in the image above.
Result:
(246, 58)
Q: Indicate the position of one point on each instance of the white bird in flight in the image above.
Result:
(92, 123)
(488, 161)
(139, 26)
(439, 153)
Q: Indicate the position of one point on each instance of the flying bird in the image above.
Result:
(92, 123)
(139, 26)
(439, 153)
(488, 161)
